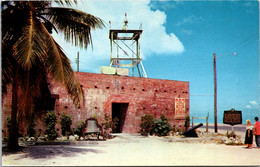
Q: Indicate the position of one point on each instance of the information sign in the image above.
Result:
(232, 117)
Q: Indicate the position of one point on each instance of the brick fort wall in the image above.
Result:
(127, 98)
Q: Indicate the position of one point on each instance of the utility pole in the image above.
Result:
(215, 94)
(215, 88)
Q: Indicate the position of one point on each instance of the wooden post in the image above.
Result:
(207, 125)
(215, 94)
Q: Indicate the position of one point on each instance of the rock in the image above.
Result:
(64, 138)
(31, 139)
(81, 138)
(71, 138)
(76, 137)
(59, 138)
(41, 139)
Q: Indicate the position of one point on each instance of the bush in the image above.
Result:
(146, 125)
(65, 124)
(8, 124)
(109, 125)
(31, 129)
(233, 139)
(231, 134)
(162, 127)
(187, 122)
(79, 129)
(50, 123)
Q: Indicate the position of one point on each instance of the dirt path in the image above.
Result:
(133, 150)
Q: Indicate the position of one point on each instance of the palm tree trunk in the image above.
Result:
(13, 134)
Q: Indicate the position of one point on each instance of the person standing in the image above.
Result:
(257, 132)
(249, 134)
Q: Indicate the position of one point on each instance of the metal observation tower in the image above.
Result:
(125, 50)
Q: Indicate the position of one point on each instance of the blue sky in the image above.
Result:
(178, 42)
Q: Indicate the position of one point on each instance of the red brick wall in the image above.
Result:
(143, 95)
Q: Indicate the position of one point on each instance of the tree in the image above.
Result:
(31, 57)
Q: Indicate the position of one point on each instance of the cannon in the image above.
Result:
(191, 132)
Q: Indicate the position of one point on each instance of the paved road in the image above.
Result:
(239, 128)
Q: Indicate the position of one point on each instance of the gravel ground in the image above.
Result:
(127, 149)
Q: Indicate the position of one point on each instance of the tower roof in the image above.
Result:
(131, 34)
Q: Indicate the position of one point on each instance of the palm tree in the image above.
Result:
(31, 57)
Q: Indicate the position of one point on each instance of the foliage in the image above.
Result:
(231, 134)
(65, 124)
(31, 129)
(146, 125)
(30, 53)
(109, 125)
(8, 124)
(233, 139)
(162, 127)
(79, 129)
(50, 123)
(187, 122)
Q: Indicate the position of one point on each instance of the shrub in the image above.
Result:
(65, 124)
(162, 127)
(231, 134)
(146, 125)
(8, 124)
(233, 139)
(79, 129)
(109, 125)
(50, 123)
(31, 129)
(187, 122)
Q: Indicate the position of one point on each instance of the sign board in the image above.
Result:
(180, 108)
(232, 117)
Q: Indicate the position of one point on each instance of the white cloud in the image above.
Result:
(252, 105)
(185, 31)
(248, 106)
(154, 39)
(189, 20)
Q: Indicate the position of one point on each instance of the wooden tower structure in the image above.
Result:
(125, 50)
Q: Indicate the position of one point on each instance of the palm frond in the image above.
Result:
(30, 88)
(76, 25)
(31, 44)
(58, 66)
(13, 20)
(63, 2)
(7, 66)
